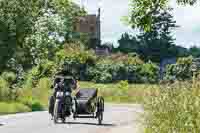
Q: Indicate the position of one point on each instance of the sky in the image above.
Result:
(187, 17)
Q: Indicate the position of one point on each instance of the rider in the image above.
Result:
(60, 83)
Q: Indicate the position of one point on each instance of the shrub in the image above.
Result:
(45, 69)
(37, 106)
(100, 73)
(10, 77)
(149, 73)
(4, 90)
(75, 62)
(8, 86)
(113, 69)
(181, 70)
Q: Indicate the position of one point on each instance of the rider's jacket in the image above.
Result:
(63, 87)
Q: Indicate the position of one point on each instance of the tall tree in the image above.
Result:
(17, 22)
(17, 18)
(194, 51)
(142, 11)
(158, 43)
(128, 43)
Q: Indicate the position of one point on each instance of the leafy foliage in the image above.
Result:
(4, 90)
(75, 60)
(142, 12)
(194, 51)
(123, 68)
(182, 70)
(128, 44)
(49, 34)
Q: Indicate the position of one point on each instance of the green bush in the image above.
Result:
(10, 77)
(76, 61)
(149, 73)
(182, 70)
(8, 87)
(46, 68)
(4, 90)
(10, 108)
(124, 68)
(100, 73)
(37, 106)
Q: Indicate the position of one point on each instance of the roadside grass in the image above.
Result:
(175, 110)
(12, 108)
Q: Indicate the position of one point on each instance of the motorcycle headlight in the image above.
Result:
(67, 94)
(59, 94)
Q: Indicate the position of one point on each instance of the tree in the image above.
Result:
(17, 23)
(158, 43)
(194, 51)
(142, 11)
(7, 44)
(128, 44)
(49, 34)
(16, 19)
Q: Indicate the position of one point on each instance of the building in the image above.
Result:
(103, 50)
(91, 25)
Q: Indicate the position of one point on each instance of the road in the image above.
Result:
(117, 119)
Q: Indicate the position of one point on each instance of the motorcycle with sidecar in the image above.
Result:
(85, 104)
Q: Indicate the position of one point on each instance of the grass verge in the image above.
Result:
(12, 108)
(176, 109)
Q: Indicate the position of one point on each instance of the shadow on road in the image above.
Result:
(1, 124)
(86, 123)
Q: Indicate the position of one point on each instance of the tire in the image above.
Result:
(100, 104)
(51, 105)
(63, 120)
(100, 118)
(100, 110)
(56, 109)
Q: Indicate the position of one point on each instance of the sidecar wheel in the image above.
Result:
(63, 120)
(100, 118)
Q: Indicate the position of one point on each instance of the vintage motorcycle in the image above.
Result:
(86, 104)
(63, 100)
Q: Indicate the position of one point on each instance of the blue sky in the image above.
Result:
(187, 17)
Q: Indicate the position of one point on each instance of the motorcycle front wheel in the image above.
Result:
(56, 110)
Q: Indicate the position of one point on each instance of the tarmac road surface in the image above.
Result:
(117, 119)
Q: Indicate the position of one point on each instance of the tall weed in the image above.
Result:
(175, 110)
